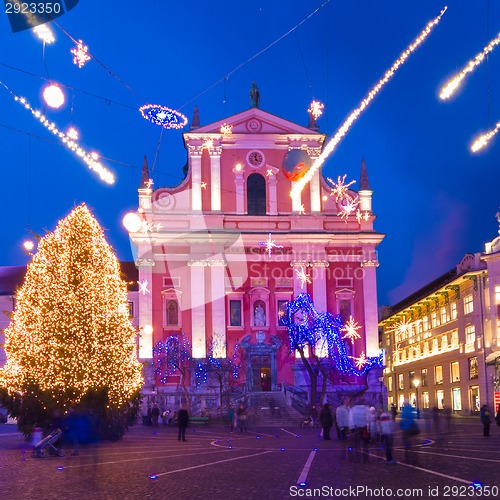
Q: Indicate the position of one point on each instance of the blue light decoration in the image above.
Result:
(227, 369)
(163, 116)
(172, 356)
(306, 326)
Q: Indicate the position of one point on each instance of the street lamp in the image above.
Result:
(416, 383)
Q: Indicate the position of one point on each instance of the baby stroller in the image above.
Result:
(47, 444)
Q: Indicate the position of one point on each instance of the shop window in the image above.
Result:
(455, 371)
(438, 374)
(473, 368)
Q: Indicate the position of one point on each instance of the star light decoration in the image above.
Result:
(316, 108)
(302, 210)
(203, 185)
(80, 54)
(302, 277)
(269, 172)
(163, 116)
(351, 330)
(351, 119)
(143, 287)
(360, 216)
(269, 244)
(226, 130)
(104, 174)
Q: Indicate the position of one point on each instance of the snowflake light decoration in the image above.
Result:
(143, 287)
(316, 109)
(361, 361)
(303, 277)
(146, 227)
(269, 172)
(360, 216)
(351, 330)
(269, 244)
(80, 54)
(203, 185)
(302, 210)
(340, 190)
(163, 116)
(348, 206)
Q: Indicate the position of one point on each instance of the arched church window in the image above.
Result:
(172, 311)
(256, 195)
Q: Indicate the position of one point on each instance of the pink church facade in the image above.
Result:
(220, 254)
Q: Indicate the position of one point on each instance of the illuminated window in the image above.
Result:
(470, 334)
(131, 309)
(453, 308)
(425, 400)
(444, 315)
(440, 399)
(455, 371)
(425, 322)
(473, 368)
(434, 320)
(468, 304)
(401, 381)
(424, 377)
(456, 399)
(438, 374)
(454, 339)
(389, 384)
(497, 294)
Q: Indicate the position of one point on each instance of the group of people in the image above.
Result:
(154, 413)
(366, 425)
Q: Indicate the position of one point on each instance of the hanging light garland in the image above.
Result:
(104, 174)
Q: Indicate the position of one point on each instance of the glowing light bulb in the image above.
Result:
(54, 96)
(483, 140)
(148, 329)
(72, 133)
(28, 245)
(132, 222)
(238, 167)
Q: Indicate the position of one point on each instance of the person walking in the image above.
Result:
(387, 430)
(342, 415)
(410, 429)
(182, 422)
(242, 418)
(485, 415)
(155, 415)
(326, 421)
(359, 420)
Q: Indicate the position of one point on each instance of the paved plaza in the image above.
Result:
(265, 463)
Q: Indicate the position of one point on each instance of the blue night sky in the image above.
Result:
(434, 200)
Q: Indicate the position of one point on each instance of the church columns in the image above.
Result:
(239, 182)
(215, 154)
(217, 272)
(145, 267)
(195, 153)
(273, 195)
(198, 302)
(370, 304)
(319, 285)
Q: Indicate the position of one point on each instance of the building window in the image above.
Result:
(455, 371)
(440, 399)
(453, 308)
(389, 384)
(401, 400)
(235, 313)
(401, 381)
(456, 399)
(412, 378)
(470, 334)
(454, 339)
(434, 320)
(425, 321)
(474, 400)
(438, 374)
(444, 315)
(497, 294)
(425, 400)
(424, 377)
(256, 195)
(473, 368)
(172, 313)
(130, 309)
(468, 304)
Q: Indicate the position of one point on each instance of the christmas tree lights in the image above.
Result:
(70, 331)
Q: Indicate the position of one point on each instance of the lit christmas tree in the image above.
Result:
(70, 335)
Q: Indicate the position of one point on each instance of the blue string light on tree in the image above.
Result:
(163, 116)
(307, 327)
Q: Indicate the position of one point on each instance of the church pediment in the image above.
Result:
(255, 121)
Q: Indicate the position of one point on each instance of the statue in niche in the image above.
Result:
(254, 96)
(259, 316)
